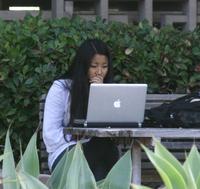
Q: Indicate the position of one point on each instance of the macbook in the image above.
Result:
(116, 105)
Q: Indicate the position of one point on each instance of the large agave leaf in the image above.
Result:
(191, 181)
(134, 186)
(192, 161)
(8, 172)
(2, 157)
(58, 177)
(161, 151)
(30, 161)
(100, 183)
(119, 176)
(29, 182)
(198, 182)
(169, 174)
(79, 175)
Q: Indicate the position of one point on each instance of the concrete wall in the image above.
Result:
(158, 12)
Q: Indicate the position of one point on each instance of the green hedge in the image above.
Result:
(33, 52)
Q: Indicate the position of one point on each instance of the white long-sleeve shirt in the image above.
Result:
(56, 116)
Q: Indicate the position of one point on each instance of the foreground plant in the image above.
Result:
(174, 174)
(71, 172)
(25, 175)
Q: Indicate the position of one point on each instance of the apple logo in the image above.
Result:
(117, 103)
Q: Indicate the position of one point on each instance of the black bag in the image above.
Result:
(182, 112)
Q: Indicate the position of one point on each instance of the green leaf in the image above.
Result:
(100, 183)
(2, 157)
(161, 151)
(72, 171)
(169, 174)
(26, 68)
(30, 161)
(190, 165)
(198, 182)
(26, 102)
(11, 112)
(191, 180)
(119, 176)
(134, 186)
(58, 176)
(29, 81)
(79, 175)
(196, 51)
(8, 172)
(29, 182)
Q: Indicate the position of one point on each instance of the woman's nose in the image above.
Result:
(99, 71)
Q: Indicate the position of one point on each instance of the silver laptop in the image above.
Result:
(116, 105)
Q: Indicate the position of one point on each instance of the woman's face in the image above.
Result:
(98, 69)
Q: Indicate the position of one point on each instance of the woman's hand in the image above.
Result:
(97, 79)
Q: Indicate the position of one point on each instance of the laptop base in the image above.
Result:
(107, 125)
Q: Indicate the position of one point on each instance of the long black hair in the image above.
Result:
(78, 72)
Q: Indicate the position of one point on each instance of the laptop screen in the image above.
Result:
(112, 105)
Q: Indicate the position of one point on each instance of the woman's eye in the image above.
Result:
(93, 66)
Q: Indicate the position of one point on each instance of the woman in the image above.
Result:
(67, 100)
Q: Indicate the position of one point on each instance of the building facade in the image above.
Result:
(180, 13)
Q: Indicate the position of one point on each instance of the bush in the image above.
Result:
(33, 52)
